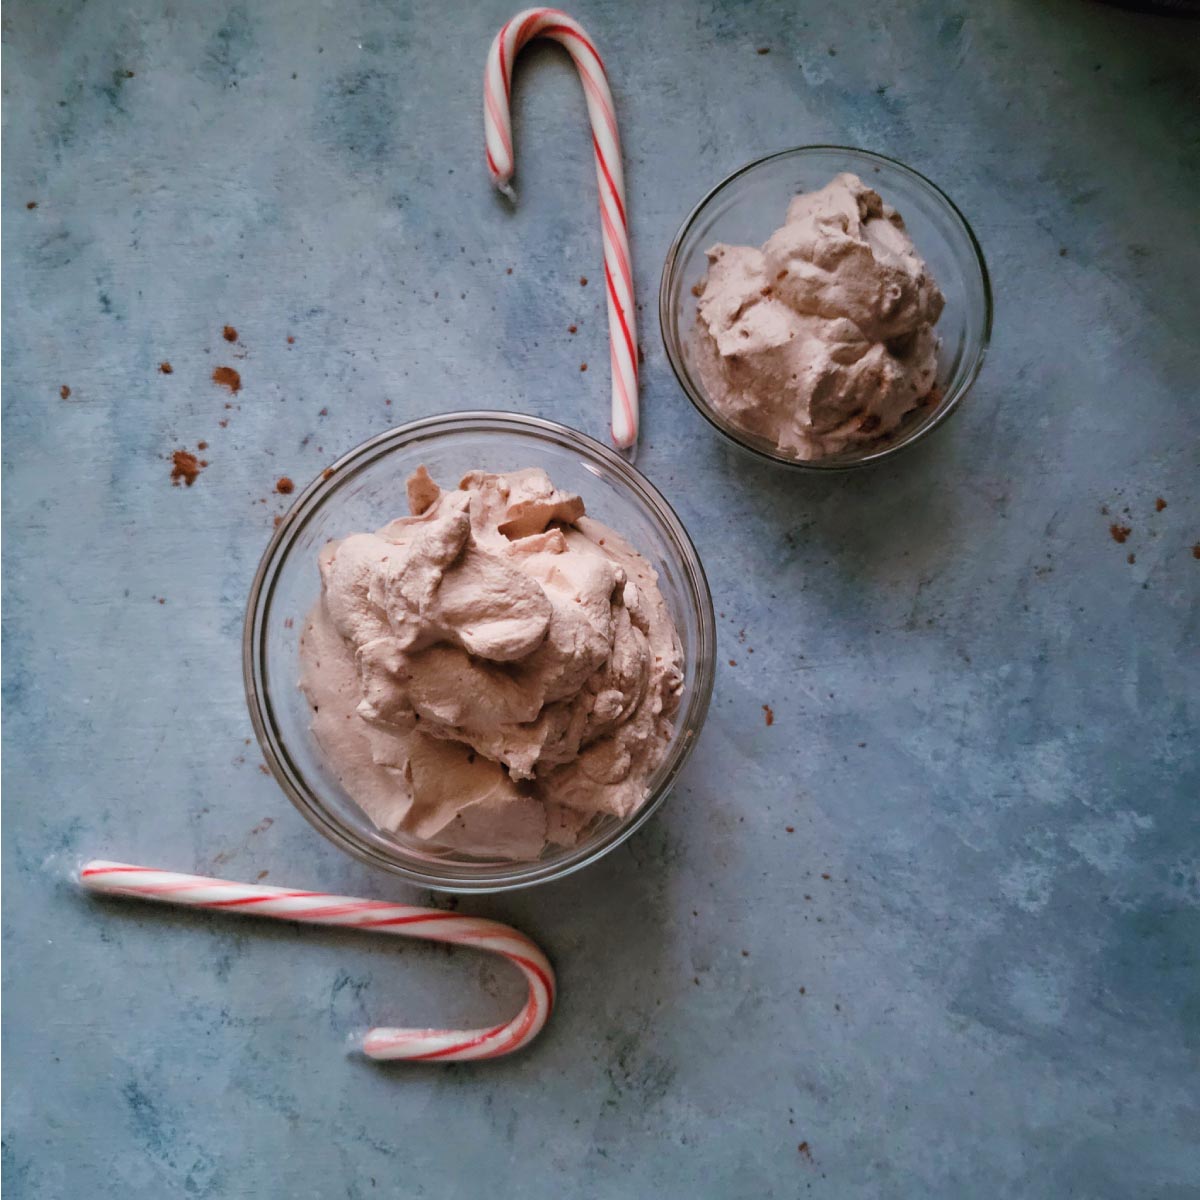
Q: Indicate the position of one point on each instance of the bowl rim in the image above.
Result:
(949, 403)
(690, 720)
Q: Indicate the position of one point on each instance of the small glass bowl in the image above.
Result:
(363, 491)
(749, 206)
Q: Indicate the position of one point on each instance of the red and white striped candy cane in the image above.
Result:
(377, 916)
(618, 266)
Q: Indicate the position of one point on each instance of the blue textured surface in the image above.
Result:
(971, 970)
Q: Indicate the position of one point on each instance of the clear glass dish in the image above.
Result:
(749, 206)
(363, 491)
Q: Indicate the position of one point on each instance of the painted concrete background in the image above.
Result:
(932, 933)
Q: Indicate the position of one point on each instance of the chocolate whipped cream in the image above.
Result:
(823, 339)
(494, 671)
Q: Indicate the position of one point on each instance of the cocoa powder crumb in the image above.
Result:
(323, 413)
(763, 50)
(583, 366)
(572, 328)
(508, 271)
(1196, 550)
(262, 767)
(583, 281)
(227, 377)
(31, 204)
(1159, 504)
(1119, 532)
(768, 714)
(697, 290)
(229, 333)
(262, 875)
(733, 662)
(803, 1149)
(291, 340)
(1131, 559)
(790, 828)
(327, 473)
(201, 445)
(224, 423)
(165, 368)
(64, 392)
(185, 468)
(278, 520)
(284, 486)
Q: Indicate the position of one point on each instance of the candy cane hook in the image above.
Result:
(618, 266)
(377, 916)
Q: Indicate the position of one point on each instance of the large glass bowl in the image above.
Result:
(363, 491)
(750, 205)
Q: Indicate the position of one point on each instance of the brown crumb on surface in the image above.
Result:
(64, 392)
(224, 423)
(583, 366)
(745, 953)
(165, 368)
(201, 445)
(263, 768)
(262, 875)
(803, 1147)
(508, 271)
(277, 520)
(697, 290)
(227, 377)
(229, 333)
(1196, 550)
(826, 875)
(1159, 504)
(583, 281)
(768, 714)
(1131, 558)
(185, 468)
(327, 473)
(284, 486)
(763, 50)
(291, 340)
(733, 662)
(572, 328)
(161, 599)
(323, 413)
(289, 623)
(1119, 532)
(789, 829)
(31, 204)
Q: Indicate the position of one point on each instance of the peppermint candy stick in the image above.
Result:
(618, 269)
(376, 916)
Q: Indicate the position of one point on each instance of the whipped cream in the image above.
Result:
(823, 338)
(493, 672)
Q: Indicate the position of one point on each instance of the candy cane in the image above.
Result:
(618, 269)
(378, 916)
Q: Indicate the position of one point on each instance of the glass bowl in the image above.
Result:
(363, 491)
(749, 206)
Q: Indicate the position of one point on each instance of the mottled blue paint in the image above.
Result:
(985, 717)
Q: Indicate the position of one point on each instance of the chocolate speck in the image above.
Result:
(1196, 550)
(64, 392)
(31, 204)
(185, 468)
(768, 714)
(1119, 532)
(284, 486)
(201, 445)
(227, 377)
(229, 333)
(291, 340)
(763, 50)
(165, 368)
(1159, 504)
(583, 366)
(1131, 559)
(572, 328)
(583, 281)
